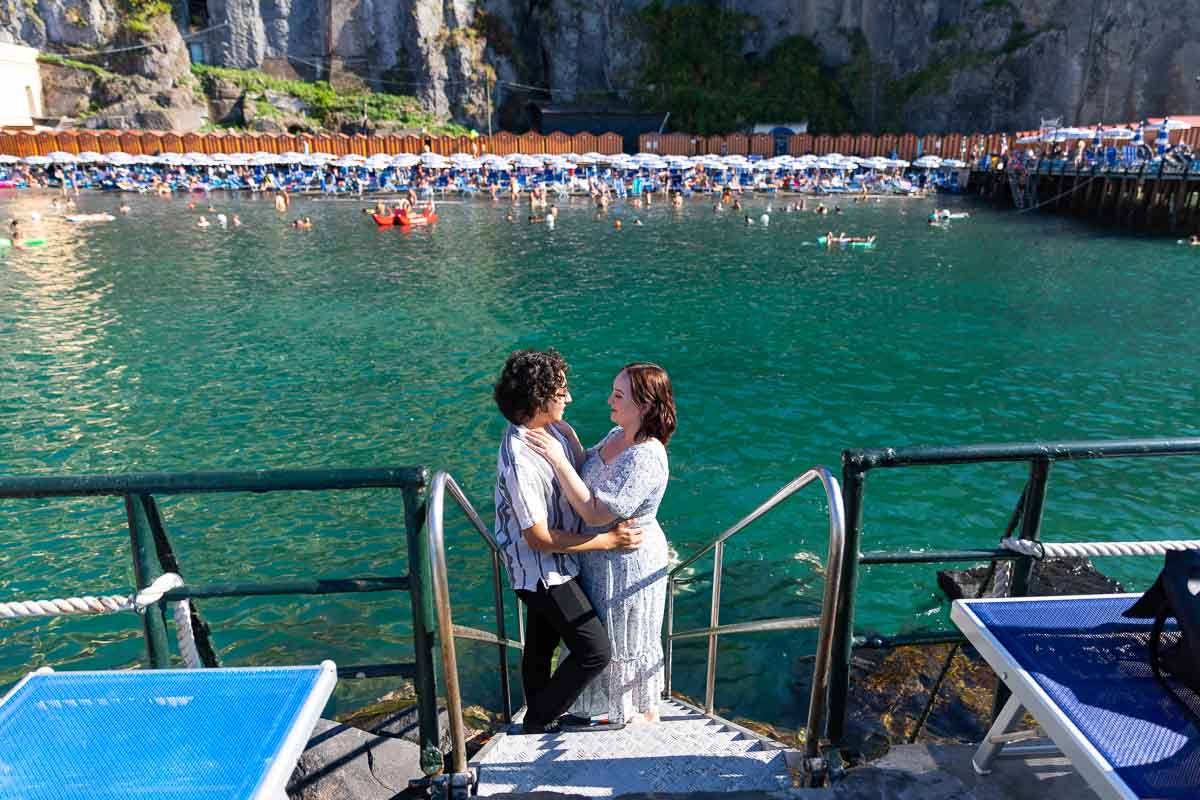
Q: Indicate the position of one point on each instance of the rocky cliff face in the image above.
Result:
(922, 64)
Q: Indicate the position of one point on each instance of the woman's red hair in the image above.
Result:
(651, 389)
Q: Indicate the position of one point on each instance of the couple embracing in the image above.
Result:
(581, 544)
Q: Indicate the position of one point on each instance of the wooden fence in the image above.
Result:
(39, 143)
(907, 146)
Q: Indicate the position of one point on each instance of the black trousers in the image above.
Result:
(557, 614)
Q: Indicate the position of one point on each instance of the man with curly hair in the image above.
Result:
(539, 533)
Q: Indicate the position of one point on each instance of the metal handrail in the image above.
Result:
(447, 630)
(1038, 455)
(825, 623)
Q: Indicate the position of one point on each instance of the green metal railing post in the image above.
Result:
(1031, 528)
(1031, 522)
(421, 590)
(145, 570)
(853, 479)
(169, 562)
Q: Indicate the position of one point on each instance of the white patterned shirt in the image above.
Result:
(527, 492)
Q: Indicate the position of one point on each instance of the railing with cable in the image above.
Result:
(1023, 550)
(153, 556)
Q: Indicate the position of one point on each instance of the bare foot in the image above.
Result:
(637, 719)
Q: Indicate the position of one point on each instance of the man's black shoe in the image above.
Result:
(572, 723)
(533, 727)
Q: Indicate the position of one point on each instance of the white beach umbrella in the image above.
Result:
(62, 157)
(954, 163)
(406, 160)
(7, 159)
(1031, 139)
(89, 157)
(1119, 134)
(38, 161)
(1175, 124)
(928, 161)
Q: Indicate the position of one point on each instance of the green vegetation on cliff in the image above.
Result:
(697, 70)
(138, 13)
(326, 106)
(62, 61)
(700, 69)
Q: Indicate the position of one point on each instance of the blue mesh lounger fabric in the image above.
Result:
(206, 734)
(1094, 664)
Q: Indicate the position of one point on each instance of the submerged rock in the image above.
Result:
(1050, 577)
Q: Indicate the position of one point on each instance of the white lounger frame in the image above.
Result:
(1028, 695)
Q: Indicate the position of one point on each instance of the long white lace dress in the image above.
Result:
(628, 588)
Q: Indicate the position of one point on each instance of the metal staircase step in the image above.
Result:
(686, 751)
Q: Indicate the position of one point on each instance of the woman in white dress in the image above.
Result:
(624, 477)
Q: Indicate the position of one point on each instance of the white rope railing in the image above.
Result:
(1028, 547)
(112, 603)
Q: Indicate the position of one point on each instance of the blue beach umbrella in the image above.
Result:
(1163, 139)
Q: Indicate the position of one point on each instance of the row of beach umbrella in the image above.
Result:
(467, 161)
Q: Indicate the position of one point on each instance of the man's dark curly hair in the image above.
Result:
(529, 381)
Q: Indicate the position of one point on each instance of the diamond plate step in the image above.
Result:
(686, 751)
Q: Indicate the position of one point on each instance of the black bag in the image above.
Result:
(1176, 593)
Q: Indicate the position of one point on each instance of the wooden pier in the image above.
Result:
(1151, 197)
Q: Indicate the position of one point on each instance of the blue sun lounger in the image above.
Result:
(204, 734)
(1083, 672)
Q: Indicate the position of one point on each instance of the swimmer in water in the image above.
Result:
(202, 222)
(617, 225)
(124, 209)
(637, 222)
(236, 220)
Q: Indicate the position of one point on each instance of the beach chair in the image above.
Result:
(1083, 672)
(212, 734)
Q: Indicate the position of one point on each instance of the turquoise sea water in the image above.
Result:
(149, 344)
